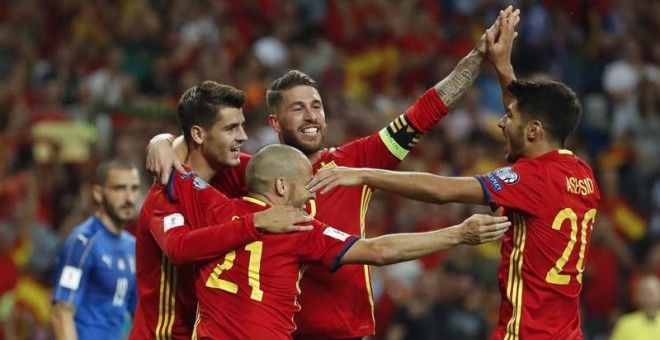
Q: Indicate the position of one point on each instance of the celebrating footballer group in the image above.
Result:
(273, 245)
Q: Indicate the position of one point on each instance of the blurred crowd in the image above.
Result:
(84, 81)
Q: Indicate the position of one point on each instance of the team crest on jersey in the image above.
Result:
(199, 183)
(507, 175)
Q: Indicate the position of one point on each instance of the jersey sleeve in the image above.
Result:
(514, 187)
(389, 146)
(184, 230)
(184, 244)
(326, 245)
(427, 111)
(75, 263)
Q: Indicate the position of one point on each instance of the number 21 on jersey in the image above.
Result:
(255, 250)
(555, 275)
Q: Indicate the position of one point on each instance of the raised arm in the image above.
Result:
(403, 133)
(414, 185)
(395, 248)
(499, 50)
(452, 87)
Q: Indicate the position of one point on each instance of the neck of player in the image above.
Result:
(534, 150)
(113, 226)
(198, 163)
(315, 156)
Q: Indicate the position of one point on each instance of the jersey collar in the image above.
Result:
(254, 201)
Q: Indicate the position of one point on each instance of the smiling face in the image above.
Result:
(222, 143)
(513, 130)
(300, 119)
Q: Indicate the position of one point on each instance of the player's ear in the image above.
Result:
(274, 122)
(281, 187)
(534, 129)
(97, 193)
(197, 134)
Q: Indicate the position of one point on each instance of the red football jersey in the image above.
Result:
(166, 291)
(166, 298)
(341, 305)
(551, 201)
(251, 292)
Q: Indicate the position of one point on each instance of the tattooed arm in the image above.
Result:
(452, 87)
(434, 104)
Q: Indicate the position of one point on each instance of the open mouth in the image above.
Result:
(236, 149)
(310, 131)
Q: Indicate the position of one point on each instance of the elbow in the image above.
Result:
(440, 194)
(383, 255)
(177, 260)
(176, 257)
(433, 194)
(435, 197)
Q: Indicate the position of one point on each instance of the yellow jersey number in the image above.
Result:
(214, 281)
(555, 275)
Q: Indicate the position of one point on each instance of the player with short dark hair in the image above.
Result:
(549, 194)
(212, 120)
(251, 292)
(95, 268)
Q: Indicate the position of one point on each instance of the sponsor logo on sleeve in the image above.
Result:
(70, 277)
(199, 183)
(507, 175)
(173, 221)
(336, 234)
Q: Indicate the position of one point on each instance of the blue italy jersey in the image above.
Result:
(95, 271)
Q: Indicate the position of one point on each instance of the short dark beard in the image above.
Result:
(290, 140)
(114, 216)
(517, 146)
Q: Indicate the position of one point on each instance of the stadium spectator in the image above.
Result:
(643, 324)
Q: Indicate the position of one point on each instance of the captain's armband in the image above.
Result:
(399, 136)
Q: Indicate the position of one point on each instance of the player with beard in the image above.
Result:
(340, 305)
(95, 268)
(549, 194)
(250, 293)
(168, 244)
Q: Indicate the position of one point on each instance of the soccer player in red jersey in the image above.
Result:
(549, 194)
(341, 305)
(212, 123)
(251, 292)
